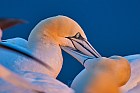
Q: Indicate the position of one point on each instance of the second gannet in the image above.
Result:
(101, 75)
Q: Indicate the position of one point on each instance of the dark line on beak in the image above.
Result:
(93, 49)
(2, 45)
(82, 46)
(72, 42)
(87, 49)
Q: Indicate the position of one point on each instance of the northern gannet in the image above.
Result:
(101, 75)
(133, 84)
(44, 42)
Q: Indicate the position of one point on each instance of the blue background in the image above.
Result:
(112, 26)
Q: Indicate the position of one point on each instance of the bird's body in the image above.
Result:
(9, 58)
(21, 65)
(48, 53)
(43, 83)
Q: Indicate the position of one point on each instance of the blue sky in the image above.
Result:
(112, 26)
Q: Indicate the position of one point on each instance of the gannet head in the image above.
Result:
(65, 32)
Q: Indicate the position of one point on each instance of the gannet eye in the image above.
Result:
(77, 35)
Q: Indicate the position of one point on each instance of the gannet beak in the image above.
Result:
(82, 48)
(23, 52)
(8, 22)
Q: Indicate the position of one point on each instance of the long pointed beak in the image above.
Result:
(25, 53)
(84, 47)
(81, 46)
(9, 22)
